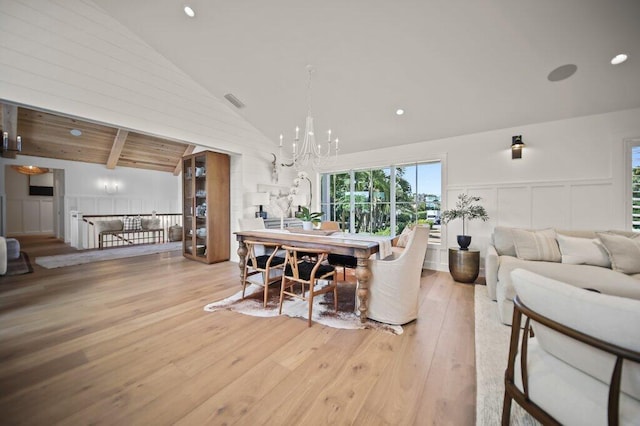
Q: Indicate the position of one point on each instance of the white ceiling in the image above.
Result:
(455, 66)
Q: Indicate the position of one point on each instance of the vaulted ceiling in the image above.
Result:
(49, 135)
(455, 66)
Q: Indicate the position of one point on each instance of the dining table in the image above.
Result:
(360, 246)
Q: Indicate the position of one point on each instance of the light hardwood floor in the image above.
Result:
(127, 342)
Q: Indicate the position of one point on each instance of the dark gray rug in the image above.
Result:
(19, 266)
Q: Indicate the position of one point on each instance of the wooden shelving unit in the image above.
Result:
(205, 206)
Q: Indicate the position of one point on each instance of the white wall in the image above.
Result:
(27, 214)
(571, 175)
(71, 57)
(139, 191)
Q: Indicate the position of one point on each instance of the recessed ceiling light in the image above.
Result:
(75, 132)
(619, 59)
(399, 111)
(189, 11)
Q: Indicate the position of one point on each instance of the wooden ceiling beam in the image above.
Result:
(10, 125)
(178, 169)
(116, 149)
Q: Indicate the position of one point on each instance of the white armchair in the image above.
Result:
(395, 281)
(582, 367)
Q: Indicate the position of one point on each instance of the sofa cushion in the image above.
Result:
(503, 241)
(132, 223)
(608, 318)
(583, 251)
(624, 252)
(604, 280)
(108, 225)
(536, 245)
(404, 236)
(150, 223)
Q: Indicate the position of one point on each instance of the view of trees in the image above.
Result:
(372, 200)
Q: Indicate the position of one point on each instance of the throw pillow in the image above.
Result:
(583, 251)
(150, 224)
(536, 245)
(624, 252)
(503, 241)
(403, 240)
(132, 223)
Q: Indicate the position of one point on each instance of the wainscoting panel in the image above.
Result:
(134, 205)
(29, 216)
(536, 205)
(46, 217)
(550, 206)
(120, 205)
(592, 206)
(514, 206)
(105, 206)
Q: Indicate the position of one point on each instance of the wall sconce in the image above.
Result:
(111, 189)
(9, 149)
(516, 147)
(258, 199)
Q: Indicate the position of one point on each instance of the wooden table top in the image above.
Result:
(335, 243)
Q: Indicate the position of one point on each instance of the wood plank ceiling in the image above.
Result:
(48, 135)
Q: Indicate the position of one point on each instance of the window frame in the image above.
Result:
(392, 166)
(630, 144)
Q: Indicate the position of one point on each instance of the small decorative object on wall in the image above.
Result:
(516, 147)
(465, 210)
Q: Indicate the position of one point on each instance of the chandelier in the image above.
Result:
(310, 153)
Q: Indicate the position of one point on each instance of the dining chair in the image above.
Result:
(305, 267)
(340, 260)
(330, 225)
(394, 287)
(265, 264)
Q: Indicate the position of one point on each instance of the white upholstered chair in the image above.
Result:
(583, 365)
(395, 281)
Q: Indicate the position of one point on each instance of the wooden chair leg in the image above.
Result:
(265, 290)
(506, 410)
(335, 292)
(310, 303)
(282, 293)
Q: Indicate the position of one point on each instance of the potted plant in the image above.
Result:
(467, 210)
(309, 218)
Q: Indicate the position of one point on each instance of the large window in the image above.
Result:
(383, 201)
(635, 188)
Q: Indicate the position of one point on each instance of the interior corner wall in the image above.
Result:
(72, 58)
(571, 175)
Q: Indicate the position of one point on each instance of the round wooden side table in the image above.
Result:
(464, 265)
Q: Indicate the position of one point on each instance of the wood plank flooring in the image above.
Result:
(127, 342)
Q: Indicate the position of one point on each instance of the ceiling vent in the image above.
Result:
(235, 101)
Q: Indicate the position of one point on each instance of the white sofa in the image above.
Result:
(579, 258)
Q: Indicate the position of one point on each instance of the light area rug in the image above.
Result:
(492, 351)
(88, 256)
(323, 312)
